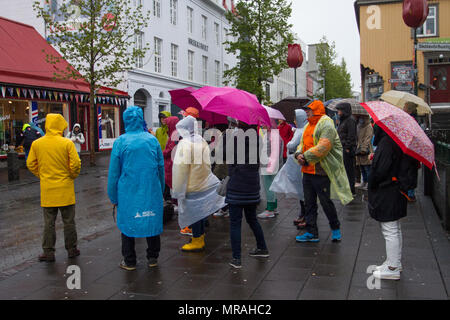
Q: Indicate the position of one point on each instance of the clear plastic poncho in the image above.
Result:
(193, 183)
(289, 180)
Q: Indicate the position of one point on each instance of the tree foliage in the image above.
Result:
(338, 82)
(97, 37)
(262, 33)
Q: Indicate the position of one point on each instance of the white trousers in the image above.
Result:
(392, 233)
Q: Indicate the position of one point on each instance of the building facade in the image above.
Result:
(387, 51)
(186, 48)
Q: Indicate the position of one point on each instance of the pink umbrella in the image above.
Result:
(234, 103)
(184, 99)
(403, 129)
(274, 113)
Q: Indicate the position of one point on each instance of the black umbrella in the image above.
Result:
(288, 105)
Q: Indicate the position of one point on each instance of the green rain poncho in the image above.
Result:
(328, 151)
(162, 133)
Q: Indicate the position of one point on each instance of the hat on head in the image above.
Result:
(190, 112)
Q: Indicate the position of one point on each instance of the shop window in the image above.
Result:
(13, 115)
(45, 108)
(109, 128)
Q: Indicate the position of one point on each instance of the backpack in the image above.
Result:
(30, 135)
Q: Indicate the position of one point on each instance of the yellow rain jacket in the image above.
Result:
(54, 160)
(327, 151)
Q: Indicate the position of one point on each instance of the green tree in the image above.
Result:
(262, 33)
(335, 77)
(98, 39)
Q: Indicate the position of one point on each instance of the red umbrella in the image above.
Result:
(184, 99)
(403, 129)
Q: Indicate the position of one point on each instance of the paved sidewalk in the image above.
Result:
(325, 270)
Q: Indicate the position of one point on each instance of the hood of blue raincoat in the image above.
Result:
(186, 127)
(301, 117)
(133, 119)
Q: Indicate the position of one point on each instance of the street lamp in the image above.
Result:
(295, 60)
(415, 13)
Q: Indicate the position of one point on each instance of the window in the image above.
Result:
(138, 40)
(190, 65)
(157, 8)
(226, 67)
(205, 69)
(137, 3)
(190, 19)
(173, 11)
(174, 59)
(225, 37)
(429, 28)
(204, 23)
(158, 53)
(217, 72)
(217, 32)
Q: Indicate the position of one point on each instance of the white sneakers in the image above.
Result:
(221, 213)
(361, 185)
(266, 214)
(385, 272)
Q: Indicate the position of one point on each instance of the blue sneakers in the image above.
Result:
(307, 237)
(336, 235)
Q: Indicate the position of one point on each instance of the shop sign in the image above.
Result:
(402, 76)
(198, 44)
(423, 46)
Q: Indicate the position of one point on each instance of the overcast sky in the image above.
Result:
(336, 20)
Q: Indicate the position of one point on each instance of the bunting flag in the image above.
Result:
(71, 97)
(117, 102)
(61, 96)
(55, 94)
(66, 95)
(31, 93)
(77, 97)
(11, 92)
(24, 91)
(38, 93)
(3, 89)
(82, 98)
(18, 92)
(99, 118)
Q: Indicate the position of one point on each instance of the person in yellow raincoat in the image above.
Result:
(324, 175)
(54, 160)
(162, 133)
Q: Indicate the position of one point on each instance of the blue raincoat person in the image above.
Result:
(136, 178)
(135, 185)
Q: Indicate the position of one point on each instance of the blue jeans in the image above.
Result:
(235, 227)
(365, 171)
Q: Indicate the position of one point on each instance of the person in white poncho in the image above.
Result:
(193, 183)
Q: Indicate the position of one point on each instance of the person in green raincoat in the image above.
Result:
(324, 175)
(162, 132)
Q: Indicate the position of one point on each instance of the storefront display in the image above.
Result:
(109, 126)
(13, 115)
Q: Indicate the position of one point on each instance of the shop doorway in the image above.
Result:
(84, 121)
(439, 79)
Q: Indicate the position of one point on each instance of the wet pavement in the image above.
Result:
(323, 270)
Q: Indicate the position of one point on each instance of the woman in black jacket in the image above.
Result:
(388, 181)
(243, 188)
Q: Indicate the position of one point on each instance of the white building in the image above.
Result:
(186, 40)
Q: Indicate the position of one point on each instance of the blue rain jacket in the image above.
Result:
(136, 178)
